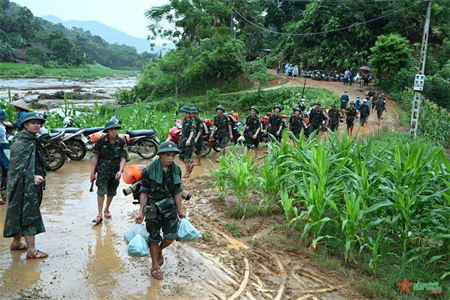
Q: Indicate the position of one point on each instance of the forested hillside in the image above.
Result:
(212, 37)
(70, 47)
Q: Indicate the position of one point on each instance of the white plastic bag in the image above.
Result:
(133, 231)
(138, 247)
(187, 232)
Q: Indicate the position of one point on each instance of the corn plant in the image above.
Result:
(220, 176)
(287, 204)
(377, 247)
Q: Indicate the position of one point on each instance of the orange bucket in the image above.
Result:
(97, 135)
(132, 173)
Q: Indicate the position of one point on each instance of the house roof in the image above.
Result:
(46, 50)
(19, 55)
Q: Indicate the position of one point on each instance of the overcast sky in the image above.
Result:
(124, 15)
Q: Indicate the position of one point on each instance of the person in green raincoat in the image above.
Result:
(26, 183)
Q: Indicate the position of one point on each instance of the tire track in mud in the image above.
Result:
(253, 272)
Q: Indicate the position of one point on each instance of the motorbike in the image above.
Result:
(175, 136)
(72, 143)
(53, 154)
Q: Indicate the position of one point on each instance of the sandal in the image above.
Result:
(37, 255)
(107, 214)
(185, 176)
(2, 202)
(21, 247)
(160, 260)
(98, 220)
(156, 273)
(217, 160)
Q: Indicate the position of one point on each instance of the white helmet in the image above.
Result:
(68, 121)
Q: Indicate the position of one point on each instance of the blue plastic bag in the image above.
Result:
(138, 246)
(187, 232)
(133, 231)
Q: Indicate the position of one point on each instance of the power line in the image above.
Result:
(322, 32)
(342, 1)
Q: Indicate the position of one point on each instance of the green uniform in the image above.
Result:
(380, 106)
(199, 128)
(351, 117)
(316, 119)
(253, 123)
(24, 197)
(333, 114)
(189, 126)
(109, 156)
(374, 101)
(222, 130)
(161, 188)
(274, 124)
(296, 125)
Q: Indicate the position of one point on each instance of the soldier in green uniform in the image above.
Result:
(252, 127)
(222, 125)
(316, 118)
(26, 183)
(160, 203)
(198, 136)
(110, 153)
(295, 123)
(275, 124)
(374, 100)
(187, 142)
(372, 92)
(350, 119)
(333, 117)
(380, 106)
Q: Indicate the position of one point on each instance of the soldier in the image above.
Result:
(344, 100)
(333, 118)
(316, 118)
(252, 127)
(110, 152)
(199, 135)
(223, 126)
(187, 142)
(26, 182)
(160, 203)
(295, 123)
(350, 119)
(380, 106)
(275, 124)
(374, 100)
(372, 92)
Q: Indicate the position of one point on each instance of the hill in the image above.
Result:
(109, 34)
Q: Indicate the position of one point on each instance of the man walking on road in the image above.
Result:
(364, 111)
(380, 106)
(350, 119)
(223, 126)
(187, 141)
(333, 118)
(316, 118)
(344, 100)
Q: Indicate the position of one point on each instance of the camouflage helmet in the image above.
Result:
(168, 147)
(33, 116)
(277, 106)
(220, 107)
(318, 103)
(333, 104)
(255, 108)
(352, 102)
(297, 108)
(194, 110)
(111, 125)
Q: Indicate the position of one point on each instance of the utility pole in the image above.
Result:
(420, 76)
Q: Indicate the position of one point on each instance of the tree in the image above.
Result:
(390, 53)
(5, 51)
(260, 73)
(36, 55)
(61, 45)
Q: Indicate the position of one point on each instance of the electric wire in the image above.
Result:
(323, 32)
(342, 1)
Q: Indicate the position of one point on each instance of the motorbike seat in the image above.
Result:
(53, 134)
(66, 130)
(134, 133)
(89, 131)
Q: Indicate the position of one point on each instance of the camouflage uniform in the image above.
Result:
(296, 125)
(274, 124)
(333, 114)
(189, 126)
(198, 128)
(162, 196)
(316, 119)
(374, 101)
(253, 123)
(222, 131)
(380, 106)
(351, 117)
(109, 156)
(24, 197)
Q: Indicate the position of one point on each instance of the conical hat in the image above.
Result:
(20, 104)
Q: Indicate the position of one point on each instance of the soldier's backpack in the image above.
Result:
(233, 120)
(205, 129)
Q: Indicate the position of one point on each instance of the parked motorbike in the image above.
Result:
(72, 144)
(53, 154)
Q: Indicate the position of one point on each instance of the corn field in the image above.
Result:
(355, 197)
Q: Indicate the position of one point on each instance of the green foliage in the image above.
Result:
(124, 97)
(233, 228)
(390, 53)
(36, 55)
(259, 73)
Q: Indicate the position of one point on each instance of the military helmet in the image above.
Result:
(33, 116)
(333, 104)
(194, 110)
(186, 109)
(297, 108)
(255, 108)
(111, 125)
(352, 102)
(220, 107)
(168, 147)
(277, 106)
(318, 103)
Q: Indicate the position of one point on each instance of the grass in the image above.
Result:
(15, 70)
(232, 227)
